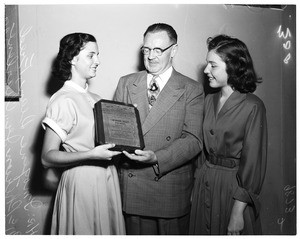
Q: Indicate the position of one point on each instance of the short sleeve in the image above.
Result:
(60, 116)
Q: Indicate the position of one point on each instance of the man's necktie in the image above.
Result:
(153, 91)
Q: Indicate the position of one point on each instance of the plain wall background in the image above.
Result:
(119, 31)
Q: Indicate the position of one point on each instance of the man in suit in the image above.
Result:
(156, 182)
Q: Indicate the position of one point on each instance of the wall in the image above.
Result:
(119, 30)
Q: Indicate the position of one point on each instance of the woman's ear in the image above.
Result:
(74, 60)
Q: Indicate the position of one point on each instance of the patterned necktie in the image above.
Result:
(153, 91)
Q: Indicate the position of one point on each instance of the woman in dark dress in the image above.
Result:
(230, 176)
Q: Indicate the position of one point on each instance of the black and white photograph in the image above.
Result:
(198, 138)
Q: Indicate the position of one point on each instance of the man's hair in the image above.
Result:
(158, 27)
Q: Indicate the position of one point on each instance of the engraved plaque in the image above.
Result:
(118, 123)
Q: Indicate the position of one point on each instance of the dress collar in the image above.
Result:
(76, 86)
(235, 98)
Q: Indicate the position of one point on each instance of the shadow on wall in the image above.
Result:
(141, 66)
(53, 84)
(37, 184)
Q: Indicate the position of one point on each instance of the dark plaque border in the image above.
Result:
(101, 138)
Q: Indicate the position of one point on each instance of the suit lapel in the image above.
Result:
(138, 95)
(166, 99)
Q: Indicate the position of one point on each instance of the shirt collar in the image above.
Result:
(162, 78)
(76, 86)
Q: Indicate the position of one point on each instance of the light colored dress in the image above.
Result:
(88, 198)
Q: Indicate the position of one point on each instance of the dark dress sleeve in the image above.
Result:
(253, 161)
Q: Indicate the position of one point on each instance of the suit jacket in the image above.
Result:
(172, 129)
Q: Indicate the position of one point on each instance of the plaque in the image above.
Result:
(118, 123)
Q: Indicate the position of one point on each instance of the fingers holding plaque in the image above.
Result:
(118, 123)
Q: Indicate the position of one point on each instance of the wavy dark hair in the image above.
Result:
(70, 46)
(158, 27)
(239, 65)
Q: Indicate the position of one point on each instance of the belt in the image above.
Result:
(99, 163)
(222, 161)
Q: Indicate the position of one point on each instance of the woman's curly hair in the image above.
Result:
(239, 65)
(70, 46)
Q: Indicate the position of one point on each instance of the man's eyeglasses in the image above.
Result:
(157, 51)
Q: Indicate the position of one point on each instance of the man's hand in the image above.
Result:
(147, 156)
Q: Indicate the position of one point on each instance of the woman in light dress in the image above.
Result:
(88, 195)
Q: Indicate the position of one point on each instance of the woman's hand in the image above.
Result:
(236, 223)
(53, 157)
(102, 152)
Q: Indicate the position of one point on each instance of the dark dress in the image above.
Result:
(233, 164)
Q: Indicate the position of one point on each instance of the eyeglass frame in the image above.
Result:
(155, 48)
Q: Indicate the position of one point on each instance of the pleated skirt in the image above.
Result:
(212, 202)
(88, 202)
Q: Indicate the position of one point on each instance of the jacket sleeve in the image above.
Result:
(189, 145)
(253, 162)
